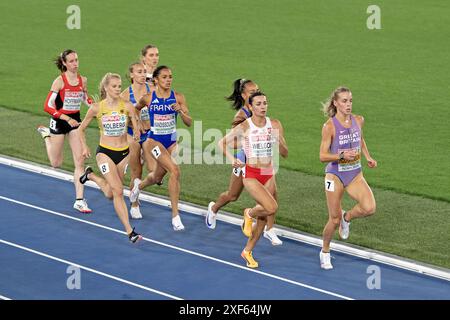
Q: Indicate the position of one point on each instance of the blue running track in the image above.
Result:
(42, 238)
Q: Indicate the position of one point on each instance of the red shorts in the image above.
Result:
(261, 174)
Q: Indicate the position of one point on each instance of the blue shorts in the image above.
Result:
(166, 140)
(143, 135)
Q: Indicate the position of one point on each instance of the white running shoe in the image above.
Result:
(272, 236)
(135, 213)
(81, 205)
(344, 227)
(177, 224)
(210, 218)
(43, 131)
(134, 193)
(325, 260)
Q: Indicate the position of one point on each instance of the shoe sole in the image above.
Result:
(248, 264)
(340, 234)
(325, 268)
(210, 226)
(271, 241)
(137, 240)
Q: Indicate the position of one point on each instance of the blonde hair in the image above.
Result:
(131, 69)
(329, 109)
(105, 81)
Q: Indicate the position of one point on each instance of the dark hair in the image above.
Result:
(236, 96)
(131, 68)
(255, 94)
(62, 58)
(144, 49)
(158, 71)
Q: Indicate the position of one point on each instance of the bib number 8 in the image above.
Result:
(52, 124)
(104, 168)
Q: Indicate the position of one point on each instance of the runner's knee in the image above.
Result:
(271, 209)
(368, 208)
(117, 191)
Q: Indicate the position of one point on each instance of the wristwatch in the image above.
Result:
(341, 155)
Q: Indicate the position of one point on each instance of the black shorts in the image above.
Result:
(59, 126)
(115, 156)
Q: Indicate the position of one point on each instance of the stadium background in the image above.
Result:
(298, 52)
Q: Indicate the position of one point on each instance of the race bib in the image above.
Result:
(350, 165)
(156, 152)
(114, 125)
(144, 114)
(104, 167)
(53, 124)
(72, 100)
(329, 185)
(164, 124)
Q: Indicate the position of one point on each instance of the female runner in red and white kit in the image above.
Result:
(63, 103)
(260, 136)
(242, 90)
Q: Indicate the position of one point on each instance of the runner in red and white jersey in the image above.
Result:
(63, 103)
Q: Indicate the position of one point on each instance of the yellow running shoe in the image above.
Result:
(248, 257)
(247, 225)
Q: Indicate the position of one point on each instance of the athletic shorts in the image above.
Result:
(261, 174)
(143, 135)
(59, 126)
(115, 155)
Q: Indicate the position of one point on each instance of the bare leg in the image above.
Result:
(334, 210)
(55, 147)
(78, 161)
(114, 178)
(360, 191)
(232, 194)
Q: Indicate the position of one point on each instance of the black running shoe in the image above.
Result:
(84, 176)
(134, 237)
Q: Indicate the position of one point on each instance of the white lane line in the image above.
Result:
(181, 249)
(348, 249)
(90, 270)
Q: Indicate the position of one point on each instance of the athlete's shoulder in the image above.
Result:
(359, 119)
(178, 95)
(125, 95)
(328, 126)
(57, 84)
(275, 123)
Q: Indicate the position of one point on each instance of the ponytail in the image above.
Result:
(329, 109)
(236, 96)
(62, 58)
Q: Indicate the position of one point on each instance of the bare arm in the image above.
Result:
(238, 118)
(87, 100)
(327, 138)
(227, 143)
(365, 151)
(143, 101)
(280, 137)
(182, 109)
(91, 114)
(134, 120)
